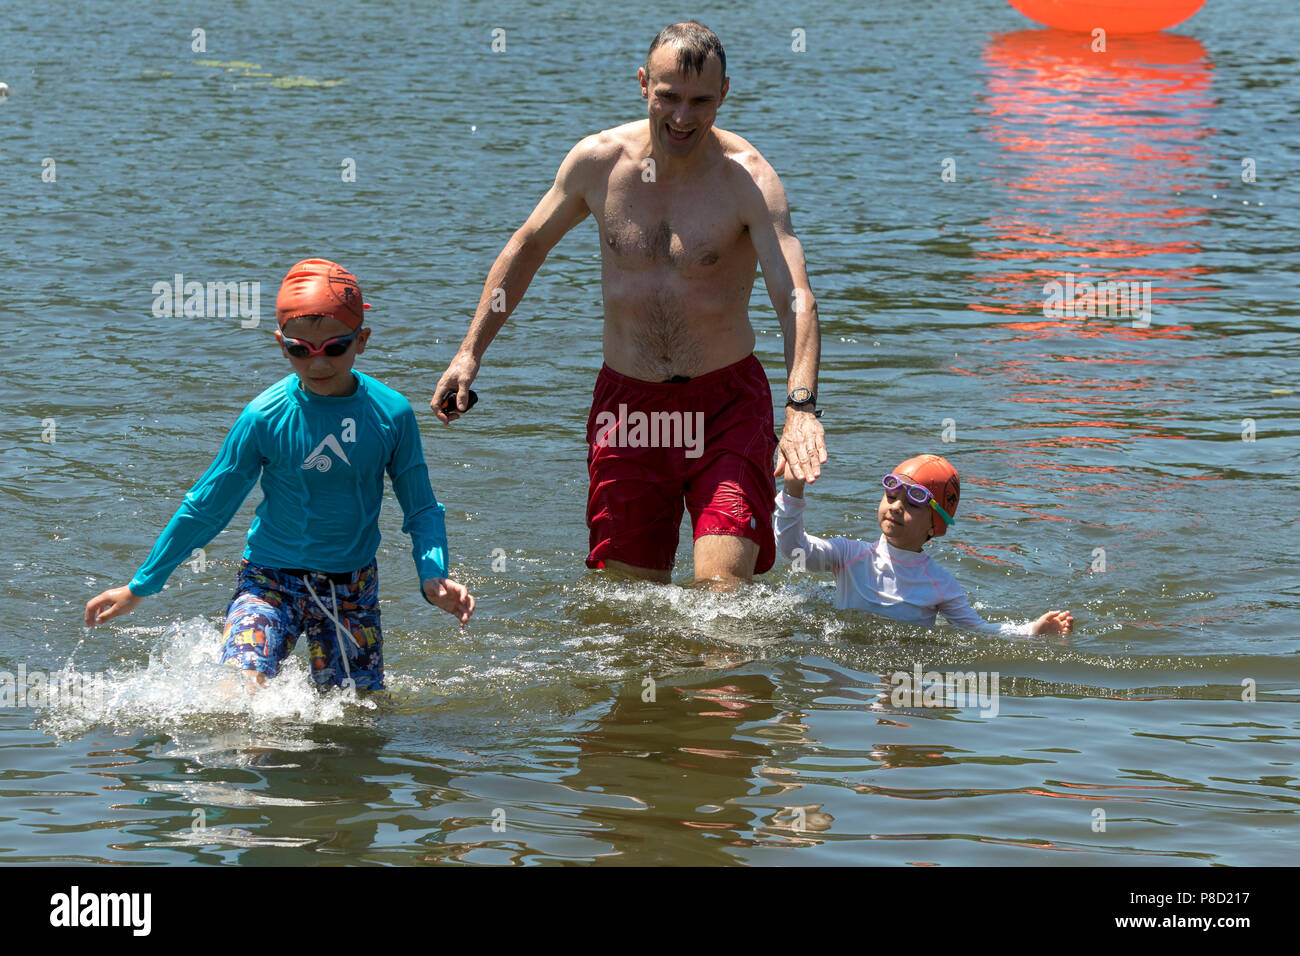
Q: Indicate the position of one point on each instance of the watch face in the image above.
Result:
(800, 395)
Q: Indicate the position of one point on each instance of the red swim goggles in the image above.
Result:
(332, 347)
(916, 494)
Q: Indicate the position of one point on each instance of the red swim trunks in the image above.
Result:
(650, 445)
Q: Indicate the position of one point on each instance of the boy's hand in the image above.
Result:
(111, 604)
(794, 487)
(1054, 622)
(452, 597)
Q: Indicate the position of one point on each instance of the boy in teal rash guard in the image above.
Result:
(321, 440)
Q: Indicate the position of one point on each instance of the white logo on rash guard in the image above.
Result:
(321, 461)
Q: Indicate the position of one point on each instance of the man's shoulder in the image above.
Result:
(608, 145)
(736, 147)
(743, 158)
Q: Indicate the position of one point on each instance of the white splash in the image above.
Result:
(184, 685)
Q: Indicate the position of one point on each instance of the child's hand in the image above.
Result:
(794, 487)
(111, 604)
(452, 597)
(1054, 622)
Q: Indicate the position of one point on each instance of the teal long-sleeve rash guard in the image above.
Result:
(321, 460)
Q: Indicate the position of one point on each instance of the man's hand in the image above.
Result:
(456, 380)
(1054, 622)
(452, 597)
(802, 451)
(111, 604)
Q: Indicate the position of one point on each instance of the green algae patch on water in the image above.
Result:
(296, 82)
(243, 67)
(246, 69)
(229, 65)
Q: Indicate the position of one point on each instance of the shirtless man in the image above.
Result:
(686, 212)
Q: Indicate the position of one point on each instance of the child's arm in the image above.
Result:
(424, 519)
(959, 612)
(110, 604)
(206, 509)
(794, 542)
(1054, 622)
(452, 597)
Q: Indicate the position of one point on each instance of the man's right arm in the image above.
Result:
(562, 208)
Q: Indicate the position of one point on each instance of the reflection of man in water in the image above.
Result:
(673, 780)
(685, 211)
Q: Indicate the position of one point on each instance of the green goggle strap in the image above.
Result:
(943, 514)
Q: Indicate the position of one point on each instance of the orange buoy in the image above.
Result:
(1113, 16)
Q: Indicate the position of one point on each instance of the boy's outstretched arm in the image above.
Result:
(957, 611)
(816, 554)
(206, 509)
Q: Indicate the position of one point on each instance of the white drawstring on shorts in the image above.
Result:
(338, 624)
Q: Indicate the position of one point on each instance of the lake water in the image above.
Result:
(1141, 473)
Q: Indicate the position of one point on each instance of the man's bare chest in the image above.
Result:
(646, 225)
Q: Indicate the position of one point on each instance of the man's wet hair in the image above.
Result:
(694, 42)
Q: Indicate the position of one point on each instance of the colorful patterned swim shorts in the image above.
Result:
(272, 607)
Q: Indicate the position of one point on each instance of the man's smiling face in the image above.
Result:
(682, 106)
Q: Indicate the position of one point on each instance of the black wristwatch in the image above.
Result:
(803, 396)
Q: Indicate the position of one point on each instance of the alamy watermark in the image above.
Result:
(75, 908)
(953, 689)
(1110, 298)
(212, 300)
(39, 689)
(640, 429)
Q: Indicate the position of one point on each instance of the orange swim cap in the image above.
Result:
(936, 474)
(320, 287)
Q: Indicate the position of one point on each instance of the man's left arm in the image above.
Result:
(766, 212)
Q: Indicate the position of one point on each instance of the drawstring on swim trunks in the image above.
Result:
(338, 624)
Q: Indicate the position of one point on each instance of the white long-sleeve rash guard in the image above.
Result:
(894, 583)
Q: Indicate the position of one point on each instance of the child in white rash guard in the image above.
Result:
(892, 577)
